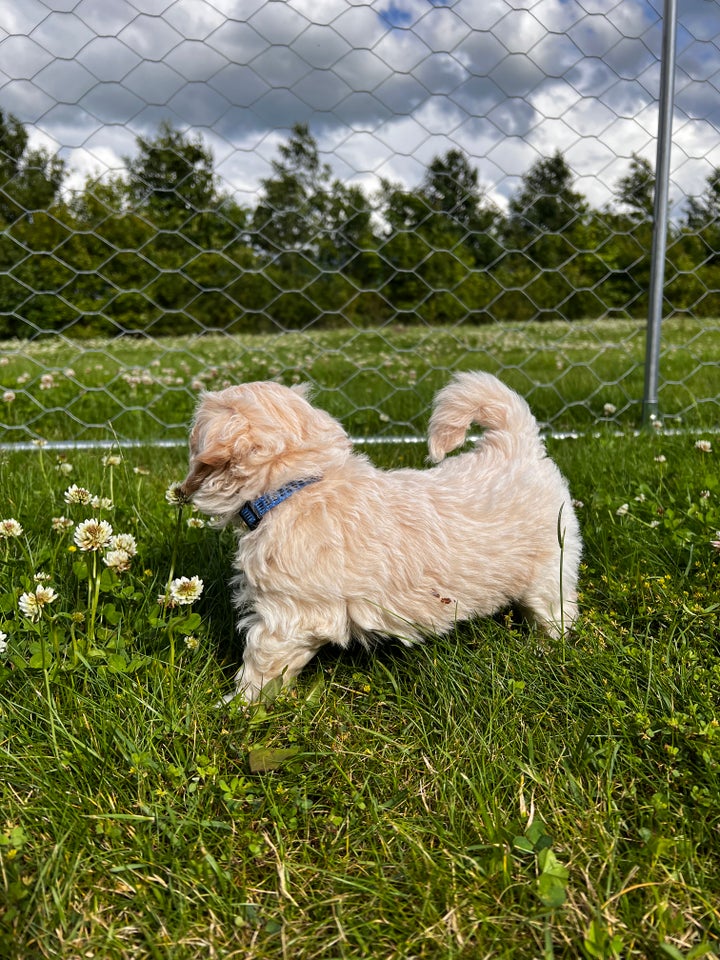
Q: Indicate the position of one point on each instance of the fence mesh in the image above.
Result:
(364, 195)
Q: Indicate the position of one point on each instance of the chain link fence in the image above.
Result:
(364, 195)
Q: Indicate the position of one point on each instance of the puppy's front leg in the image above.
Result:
(268, 656)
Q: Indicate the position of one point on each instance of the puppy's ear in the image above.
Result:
(199, 472)
(213, 455)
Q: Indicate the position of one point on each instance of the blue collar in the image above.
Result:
(252, 511)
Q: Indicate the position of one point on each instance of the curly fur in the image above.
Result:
(366, 552)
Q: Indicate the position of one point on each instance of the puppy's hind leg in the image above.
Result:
(553, 612)
(268, 656)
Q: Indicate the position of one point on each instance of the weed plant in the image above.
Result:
(488, 794)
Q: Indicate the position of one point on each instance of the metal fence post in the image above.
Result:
(651, 409)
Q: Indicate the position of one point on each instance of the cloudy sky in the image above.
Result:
(384, 85)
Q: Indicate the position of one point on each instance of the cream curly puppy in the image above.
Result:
(330, 548)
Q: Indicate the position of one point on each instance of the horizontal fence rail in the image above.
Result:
(366, 196)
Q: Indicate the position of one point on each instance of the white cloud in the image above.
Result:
(385, 86)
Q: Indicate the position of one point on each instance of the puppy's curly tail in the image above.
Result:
(482, 399)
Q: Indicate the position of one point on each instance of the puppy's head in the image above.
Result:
(253, 438)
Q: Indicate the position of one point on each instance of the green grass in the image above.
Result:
(487, 794)
(379, 382)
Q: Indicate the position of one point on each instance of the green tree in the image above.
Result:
(302, 209)
(316, 236)
(30, 180)
(699, 245)
(547, 240)
(546, 201)
(172, 175)
(452, 190)
(636, 189)
(704, 210)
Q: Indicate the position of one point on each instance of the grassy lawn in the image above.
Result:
(488, 794)
(379, 382)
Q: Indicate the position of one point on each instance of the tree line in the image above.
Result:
(162, 248)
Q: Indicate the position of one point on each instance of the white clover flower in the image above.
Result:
(112, 460)
(64, 468)
(141, 471)
(175, 494)
(9, 396)
(117, 560)
(192, 642)
(61, 524)
(185, 590)
(41, 577)
(10, 528)
(196, 523)
(3, 642)
(93, 534)
(661, 458)
(31, 604)
(622, 510)
(578, 504)
(101, 503)
(704, 446)
(609, 409)
(76, 494)
(125, 542)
